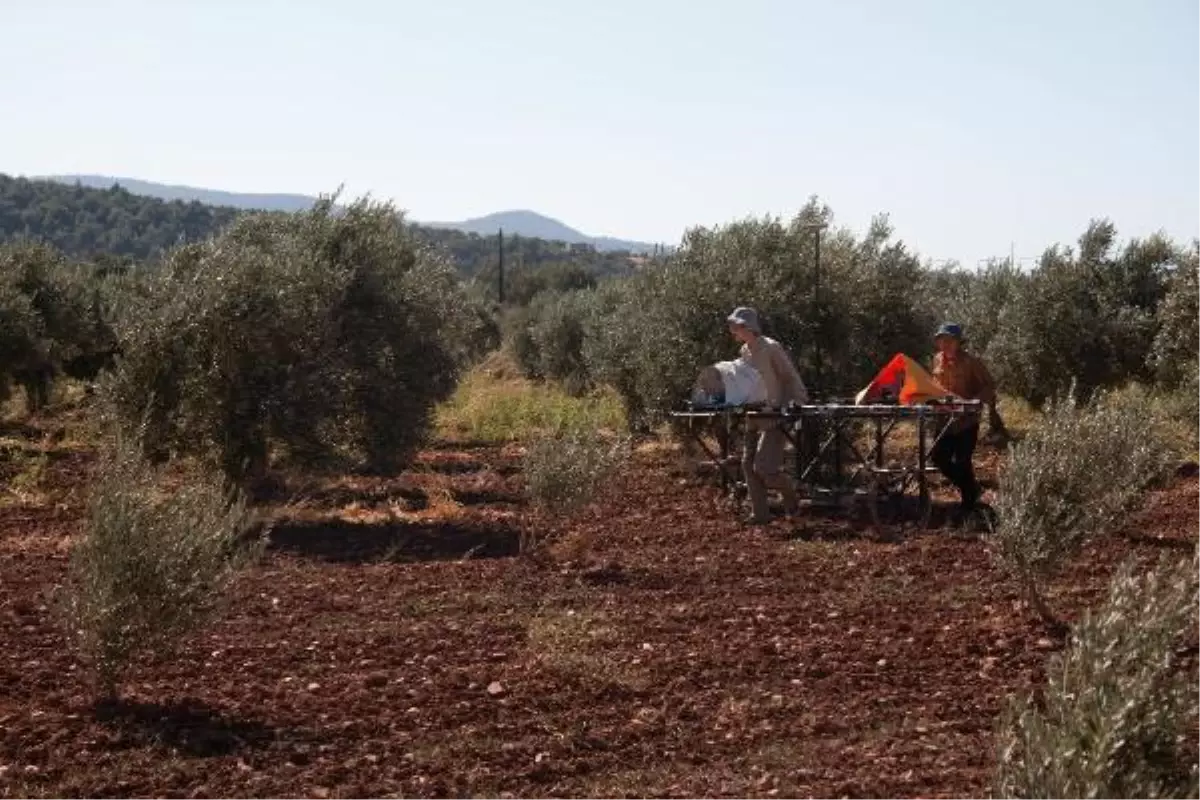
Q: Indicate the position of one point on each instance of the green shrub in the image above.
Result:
(565, 470)
(1176, 349)
(611, 340)
(1116, 711)
(154, 563)
(557, 336)
(51, 315)
(517, 326)
(1086, 318)
(325, 337)
(1075, 475)
(649, 338)
(973, 298)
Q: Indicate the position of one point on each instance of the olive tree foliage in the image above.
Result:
(1075, 476)
(51, 317)
(1118, 710)
(1176, 348)
(648, 336)
(157, 556)
(1087, 317)
(972, 298)
(324, 337)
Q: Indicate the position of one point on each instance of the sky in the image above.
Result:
(978, 127)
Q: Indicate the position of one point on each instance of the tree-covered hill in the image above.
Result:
(86, 223)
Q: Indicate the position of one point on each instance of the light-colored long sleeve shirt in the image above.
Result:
(780, 375)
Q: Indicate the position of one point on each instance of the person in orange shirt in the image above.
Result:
(966, 376)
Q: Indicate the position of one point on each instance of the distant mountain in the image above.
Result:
(521, 222)
(530, 223)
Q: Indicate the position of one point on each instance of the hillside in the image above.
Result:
(212, 197)
(521, 222)
(86, 222)
(530, 223)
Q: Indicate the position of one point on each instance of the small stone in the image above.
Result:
(495, 688)
(1044, 644)
(312, 687)
(881, 662)
(541, 757)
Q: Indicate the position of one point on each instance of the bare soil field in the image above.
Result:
(392, 642)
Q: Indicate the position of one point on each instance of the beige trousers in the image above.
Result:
(762, 467)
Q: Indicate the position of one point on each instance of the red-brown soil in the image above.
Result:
(391, 642)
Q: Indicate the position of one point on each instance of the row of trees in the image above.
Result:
(1094, 316)
(235, 324)
(322, 338)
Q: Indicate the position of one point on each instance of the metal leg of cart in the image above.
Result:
(888, 489)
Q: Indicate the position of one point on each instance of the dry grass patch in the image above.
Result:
(583, 643)
(493, 405)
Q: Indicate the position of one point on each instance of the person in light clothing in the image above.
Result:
(762, 458)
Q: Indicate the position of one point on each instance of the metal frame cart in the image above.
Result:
(842, 451)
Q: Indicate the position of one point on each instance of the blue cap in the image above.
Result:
(949, 329)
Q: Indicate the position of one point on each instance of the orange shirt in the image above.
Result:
(965, 376)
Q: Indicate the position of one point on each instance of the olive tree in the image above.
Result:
(1114, 717)
(324, 337)
(51, 319)
(1085, 316)
(649, 339)
(1074, 477)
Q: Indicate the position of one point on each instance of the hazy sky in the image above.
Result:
(974, 124)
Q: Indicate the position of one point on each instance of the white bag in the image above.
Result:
(741, 384)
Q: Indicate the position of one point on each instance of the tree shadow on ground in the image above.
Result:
(341, 541)
(20, 429)
(274, 489)
(821, 523)
(1161, 542)
(191, 727)
(839, 523)
(469, 466)
(480, 497)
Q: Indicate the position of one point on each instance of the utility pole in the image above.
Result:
(500, 288)
(817, 307)
(818, 311)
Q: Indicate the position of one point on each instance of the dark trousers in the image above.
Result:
(952, 456)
